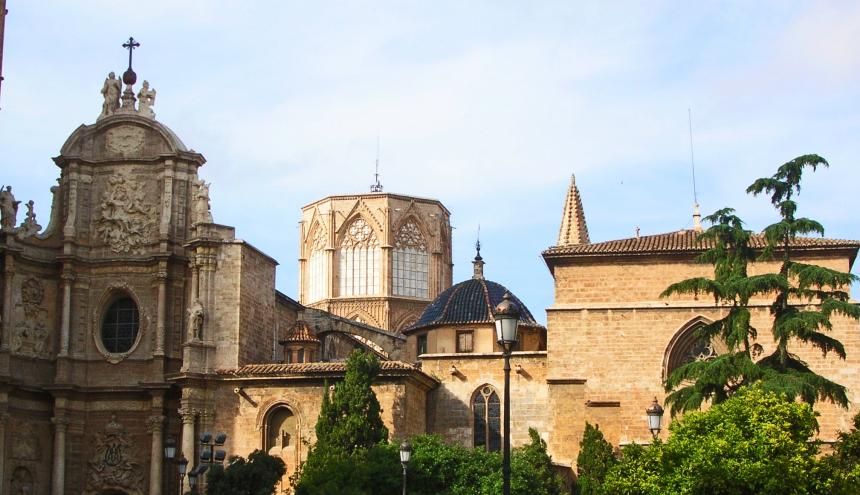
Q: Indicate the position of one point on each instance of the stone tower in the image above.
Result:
(378, 258)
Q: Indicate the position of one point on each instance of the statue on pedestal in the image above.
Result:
(8, 209)
(110, 90)
(146, 99)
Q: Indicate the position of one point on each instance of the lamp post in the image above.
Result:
(169, 455)
(183, 466)
(209, 455)
(507, 316)
(405, 455)
(655, 417)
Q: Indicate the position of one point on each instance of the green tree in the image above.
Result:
(839, 472)
(257, 475)
(350, 419)
(801, 284)
(594, 460)
(756, 442)
(732, 287)
(351, 438)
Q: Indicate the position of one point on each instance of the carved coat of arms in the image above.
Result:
(127, 220)
(111, 466)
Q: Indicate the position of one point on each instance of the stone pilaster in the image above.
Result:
(189, 440)
(67, 279)
(4, 420)
(161, 311)
(58, 480)
(156, 464)
(8, 274)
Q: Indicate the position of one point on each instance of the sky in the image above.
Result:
(487, 106)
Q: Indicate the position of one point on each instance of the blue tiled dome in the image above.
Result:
(469, 302)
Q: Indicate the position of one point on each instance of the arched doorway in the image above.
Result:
(281, 438)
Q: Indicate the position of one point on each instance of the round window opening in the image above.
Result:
(120, 325)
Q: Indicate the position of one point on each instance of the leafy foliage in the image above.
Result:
(795, 286)
(803, 284)
(756, 442)
(839, 472)
(349, 419)
(594, 460)
(436, 468)
(255, 476)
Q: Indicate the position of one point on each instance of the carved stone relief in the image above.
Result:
(111, 467)
(125, 140)
(25, 442)
(30, 337)
(127, 220)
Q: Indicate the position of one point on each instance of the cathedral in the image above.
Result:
(134, 320)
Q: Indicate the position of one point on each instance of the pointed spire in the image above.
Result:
(573, 228)
(478, 263)
(697, 218)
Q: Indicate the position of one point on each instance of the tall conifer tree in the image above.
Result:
(805, 298)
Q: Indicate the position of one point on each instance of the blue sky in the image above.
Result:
(486, 106)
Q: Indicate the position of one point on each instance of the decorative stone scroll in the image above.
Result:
(111, 467)
(127, 221)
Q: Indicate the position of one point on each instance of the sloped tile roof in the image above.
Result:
(680, 242)
(300, 332)
(469, 302)
(298, 369)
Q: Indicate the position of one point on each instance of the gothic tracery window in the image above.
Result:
(687, 347)
(486, 413)
(317, 266)
(360, 260)
(410, 262)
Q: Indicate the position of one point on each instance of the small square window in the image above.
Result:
(464, 341)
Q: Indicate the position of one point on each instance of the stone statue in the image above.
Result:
(8, 209)
(195, 319)
(30, 226)
(201, 202)
(110, 90)
(146, 99)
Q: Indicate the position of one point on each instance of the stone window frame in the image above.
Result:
(458, 346)
(359, 262)
(683, 341)
(317, 265)
(410, 260)
(419, 339)
(112, 294)
(485, 393)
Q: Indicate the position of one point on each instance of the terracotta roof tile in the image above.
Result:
(285, 369)
(300, 332)
(679, 242)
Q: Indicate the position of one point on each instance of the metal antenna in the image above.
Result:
(376, 187)
(697, 217)
(692, 158)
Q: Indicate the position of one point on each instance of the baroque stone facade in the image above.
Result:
(134, 318)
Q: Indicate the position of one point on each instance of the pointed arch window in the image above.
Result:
(360, 259)
(687, 347)
(317, 266)
(486, 413)
(410, 262)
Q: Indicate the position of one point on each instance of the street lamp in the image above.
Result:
(507, 316)
(183, 467)
(655, 417)
(169, 455)
(405, 455)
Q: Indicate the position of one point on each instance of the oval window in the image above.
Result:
(120, 325)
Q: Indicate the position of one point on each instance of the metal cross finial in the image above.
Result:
(130, 45)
